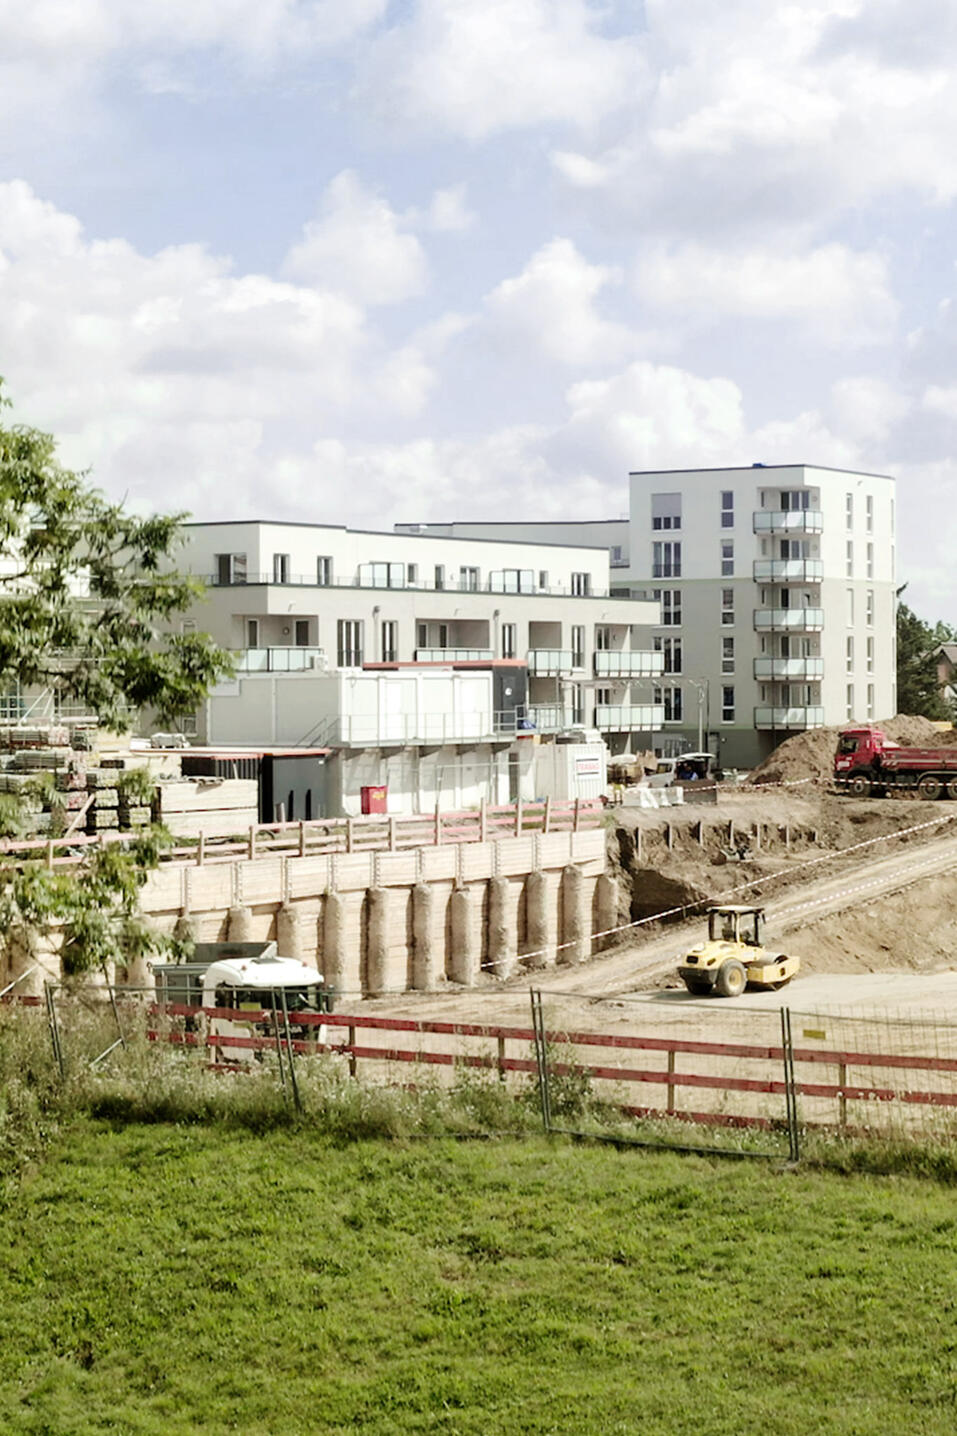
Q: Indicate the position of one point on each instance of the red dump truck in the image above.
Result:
(868, 764)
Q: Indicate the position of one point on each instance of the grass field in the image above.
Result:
(163, 1278)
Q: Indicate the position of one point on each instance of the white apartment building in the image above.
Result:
(776, 586)
(299, 597)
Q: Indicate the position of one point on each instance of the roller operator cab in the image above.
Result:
(734, 956)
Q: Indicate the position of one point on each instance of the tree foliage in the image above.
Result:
(88, 597)
(918, 688)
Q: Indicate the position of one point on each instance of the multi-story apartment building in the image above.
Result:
(776, 593)
(776, 586)
(297, 597)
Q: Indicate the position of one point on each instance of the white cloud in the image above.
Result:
(357, 247)
(480, 67)
(841, 295)
(449, 210)
(551, 308)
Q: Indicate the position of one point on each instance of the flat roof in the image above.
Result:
(750, 468)
(391, 533)
(244, 751)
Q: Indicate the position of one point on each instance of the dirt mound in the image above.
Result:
(811, 754)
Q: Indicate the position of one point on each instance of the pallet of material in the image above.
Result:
(215, 807)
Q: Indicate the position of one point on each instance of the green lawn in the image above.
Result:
(175, 1279)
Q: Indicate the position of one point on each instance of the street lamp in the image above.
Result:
(702, 687)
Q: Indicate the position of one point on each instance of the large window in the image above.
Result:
(670, 699)
(469, 579)
(670, 600)
(727, 509)
(578, 645)
(508, 640)
(666, 511)
(389, 640)
(727, 655)
(727, 558)
(795, 500)
(727, 606)
(323, 570)
(666, 560)
(382, 575)
(280, 568)
(349, 642)
(440, 575)
(512, 580)
(727, 704)
(230, 567)
(301, 633)
(581, 585)
(671, 648)
(602, 638)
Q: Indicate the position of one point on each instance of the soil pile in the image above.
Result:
(811, 754)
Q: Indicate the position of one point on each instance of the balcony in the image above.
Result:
(628, 719)
(788, 668)
(619, 663)
(795, 719)
(788, 620)
(549, 662)
(788, 570)
(453, 655)
(548, 718)
(279, 660)
(787, 521)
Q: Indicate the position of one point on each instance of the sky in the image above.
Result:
(367, 261)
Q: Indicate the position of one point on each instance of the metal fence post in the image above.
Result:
(54, 1025)
(541, 1056)
(790, 1086)
(289, 1052)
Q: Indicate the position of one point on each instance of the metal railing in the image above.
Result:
(450, 585)
(298, 659)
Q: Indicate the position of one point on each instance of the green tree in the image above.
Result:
(918, 690)
(88, 593)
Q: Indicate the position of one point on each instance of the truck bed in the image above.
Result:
(921, 760)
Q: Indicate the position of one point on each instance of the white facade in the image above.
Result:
(310, 598)
(777, 599)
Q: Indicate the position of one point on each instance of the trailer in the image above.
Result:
(868, 764)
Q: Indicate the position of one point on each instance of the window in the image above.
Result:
(850, 608)
(543, 578)
(508, 640)
(727, 606)
(252, 632)
(666, 511)
(727, 558)
(870, 560)
(870, 700)
(512, 580)
(870, 655)
(389, 640)
(382, 575)
(603, 697)
(671, 648)
(578, 645)
(616, 553)
(187, 725)
(440, 575)
(795, 500)
(412, 573)
(849, 654)
(578, 704)
(230, 567)
(670, 599)
(727, 655)
(795, 548)
(869, 608)
(671, 700)
(869, 513)
(443, 635)
(849, 511)
(581, 584)
(602, 638)
(850, 701)
(421, 635)
(727, 704)
(324, 570)
(727, 509)
(302, 632)
(666, 560)
(280, 568)
(469, 579)
(849, 560)
(349, 642)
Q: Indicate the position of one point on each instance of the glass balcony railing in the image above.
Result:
(628, 718)
(453, 655)
(793, 718)
(549, 662)
(279, 660)
(787, 668)
(789, 620)
(617, 663)
(788, 521)
(788, 570)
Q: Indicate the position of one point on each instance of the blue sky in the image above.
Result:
(353, 261)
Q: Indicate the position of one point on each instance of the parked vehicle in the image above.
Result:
(249, 977)
(687, 768)
(734, 956)
(868, 764)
